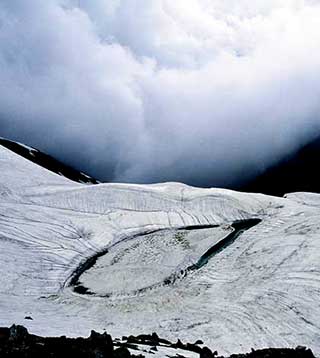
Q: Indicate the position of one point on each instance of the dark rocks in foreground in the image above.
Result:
(16, 342)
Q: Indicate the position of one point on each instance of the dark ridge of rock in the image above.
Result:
(296, 172)
(16, 342)
(122, 352)
(47, 162)
(299, 352)
(199, 341)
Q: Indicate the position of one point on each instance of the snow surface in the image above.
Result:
(263, 290)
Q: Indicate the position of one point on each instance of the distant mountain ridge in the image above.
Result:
(47, 161)
(297, 172)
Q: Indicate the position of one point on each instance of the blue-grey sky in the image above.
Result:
(201, 91)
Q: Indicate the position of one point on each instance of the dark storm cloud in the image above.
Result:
(200, 91)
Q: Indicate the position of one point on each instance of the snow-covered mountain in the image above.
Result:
(237, 270)
(48, 162)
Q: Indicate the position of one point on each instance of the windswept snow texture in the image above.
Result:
(263, 290)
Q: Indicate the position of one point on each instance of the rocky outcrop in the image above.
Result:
(16, 342)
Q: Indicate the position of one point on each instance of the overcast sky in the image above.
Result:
(206, 92)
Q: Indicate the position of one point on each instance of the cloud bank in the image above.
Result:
(207, 92)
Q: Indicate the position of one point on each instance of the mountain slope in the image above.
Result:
(46, 161)
(260, 289)
(294, 173)
(297, 172)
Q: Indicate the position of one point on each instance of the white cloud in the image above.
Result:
(203, 91)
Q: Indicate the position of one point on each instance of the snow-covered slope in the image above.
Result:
(262, 289)
(46, 161)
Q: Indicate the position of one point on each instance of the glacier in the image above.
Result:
(262, 290)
